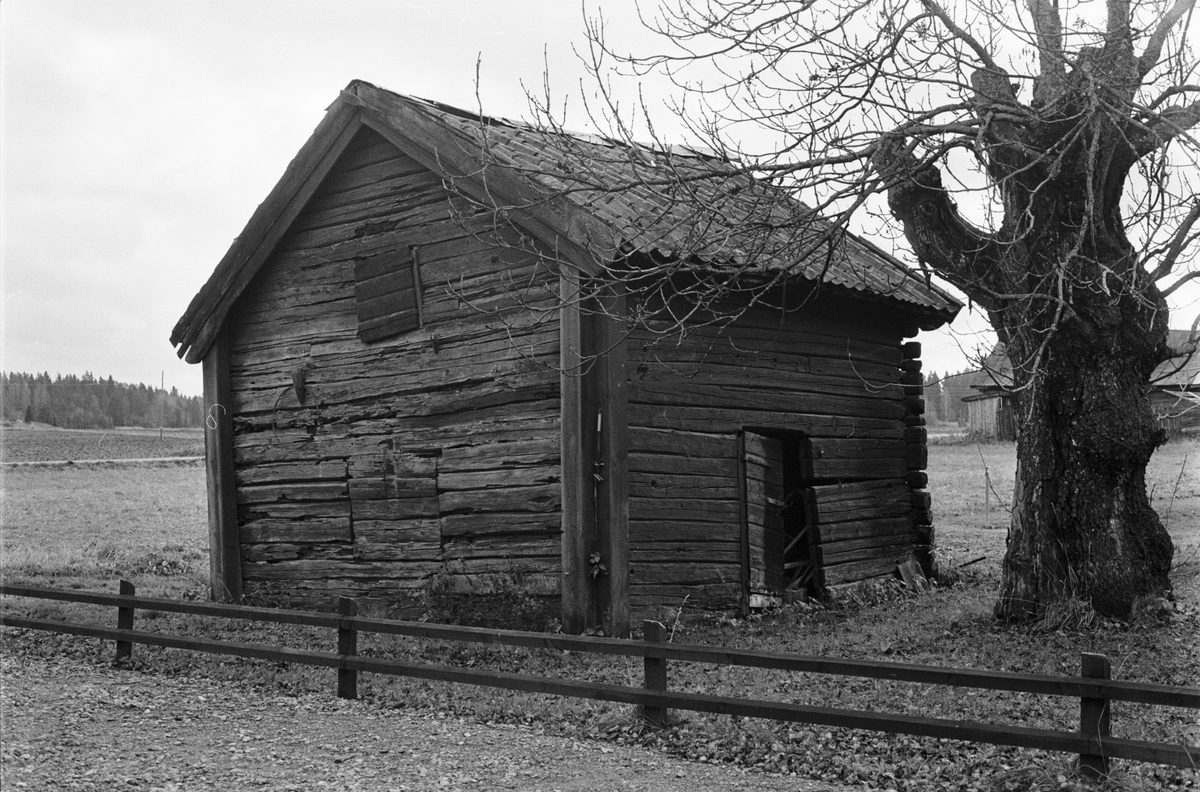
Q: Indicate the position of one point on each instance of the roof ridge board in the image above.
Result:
(691, 151)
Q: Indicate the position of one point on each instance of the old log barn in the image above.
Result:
(406, 382)
(1174, 393)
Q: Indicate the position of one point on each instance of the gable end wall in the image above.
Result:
(373, 469)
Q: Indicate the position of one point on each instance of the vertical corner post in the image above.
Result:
(347, 638)
(577, 437)
(610, 383)
(124, 649)
(743, 525)
(916, 439)
(656, 673)
(224, 541)
(1095, 718)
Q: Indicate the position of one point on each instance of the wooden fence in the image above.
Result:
(1094, 742)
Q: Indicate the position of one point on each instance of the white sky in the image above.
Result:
(138, 136)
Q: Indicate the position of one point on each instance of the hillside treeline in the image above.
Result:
(86, 402)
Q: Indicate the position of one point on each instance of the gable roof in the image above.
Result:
(1179, 372)
(593, 200)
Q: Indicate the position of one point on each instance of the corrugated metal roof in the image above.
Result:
(675, 202)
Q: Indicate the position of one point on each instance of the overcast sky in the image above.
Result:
(138, 136)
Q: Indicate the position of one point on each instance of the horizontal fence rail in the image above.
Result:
(1093, 742)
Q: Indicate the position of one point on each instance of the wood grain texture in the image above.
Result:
(225, 568)
(578, 453)
(831, 377)
(437, 443)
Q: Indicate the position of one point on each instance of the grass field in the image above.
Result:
(971, 485)
(86, 527)
(90, 526)
(21, 442)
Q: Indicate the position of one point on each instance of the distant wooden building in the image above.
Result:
(403, 384)
(1174, 394)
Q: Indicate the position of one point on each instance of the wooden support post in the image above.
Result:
(125, 622)
(1095, 717)
(656, 673)
(610, 384)
(743, 525)
(578, 424)
(347, 647)
(224, 540)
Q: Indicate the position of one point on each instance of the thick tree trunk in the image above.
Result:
(1084, 328)
(1082, 527)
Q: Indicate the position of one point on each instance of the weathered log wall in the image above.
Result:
(832, 374)
(369, 469)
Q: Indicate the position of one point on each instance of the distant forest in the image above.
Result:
(86, 402)
(944, 396)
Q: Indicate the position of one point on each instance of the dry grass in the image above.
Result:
(89, 526)
(972, 486)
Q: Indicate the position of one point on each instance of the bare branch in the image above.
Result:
(1051, 60)
(1174, 90)
(1118, 37)
(1179, 242)
(1154, 47)
(962, 35)
(1167, 125)
(871, 96)
(1188, 278)
(941, 238)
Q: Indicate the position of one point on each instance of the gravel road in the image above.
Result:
(71, 725)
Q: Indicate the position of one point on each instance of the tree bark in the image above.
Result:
(1083, 345)
(1082, 527)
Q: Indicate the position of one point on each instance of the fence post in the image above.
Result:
(124, 622)
(1095, 716)
(347, 647)
(656, 672)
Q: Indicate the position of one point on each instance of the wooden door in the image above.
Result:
(779, 540)
(764, 540)
(862, 529)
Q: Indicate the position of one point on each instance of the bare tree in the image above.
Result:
(1062, 130)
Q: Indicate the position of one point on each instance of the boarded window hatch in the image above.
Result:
(387, 294)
